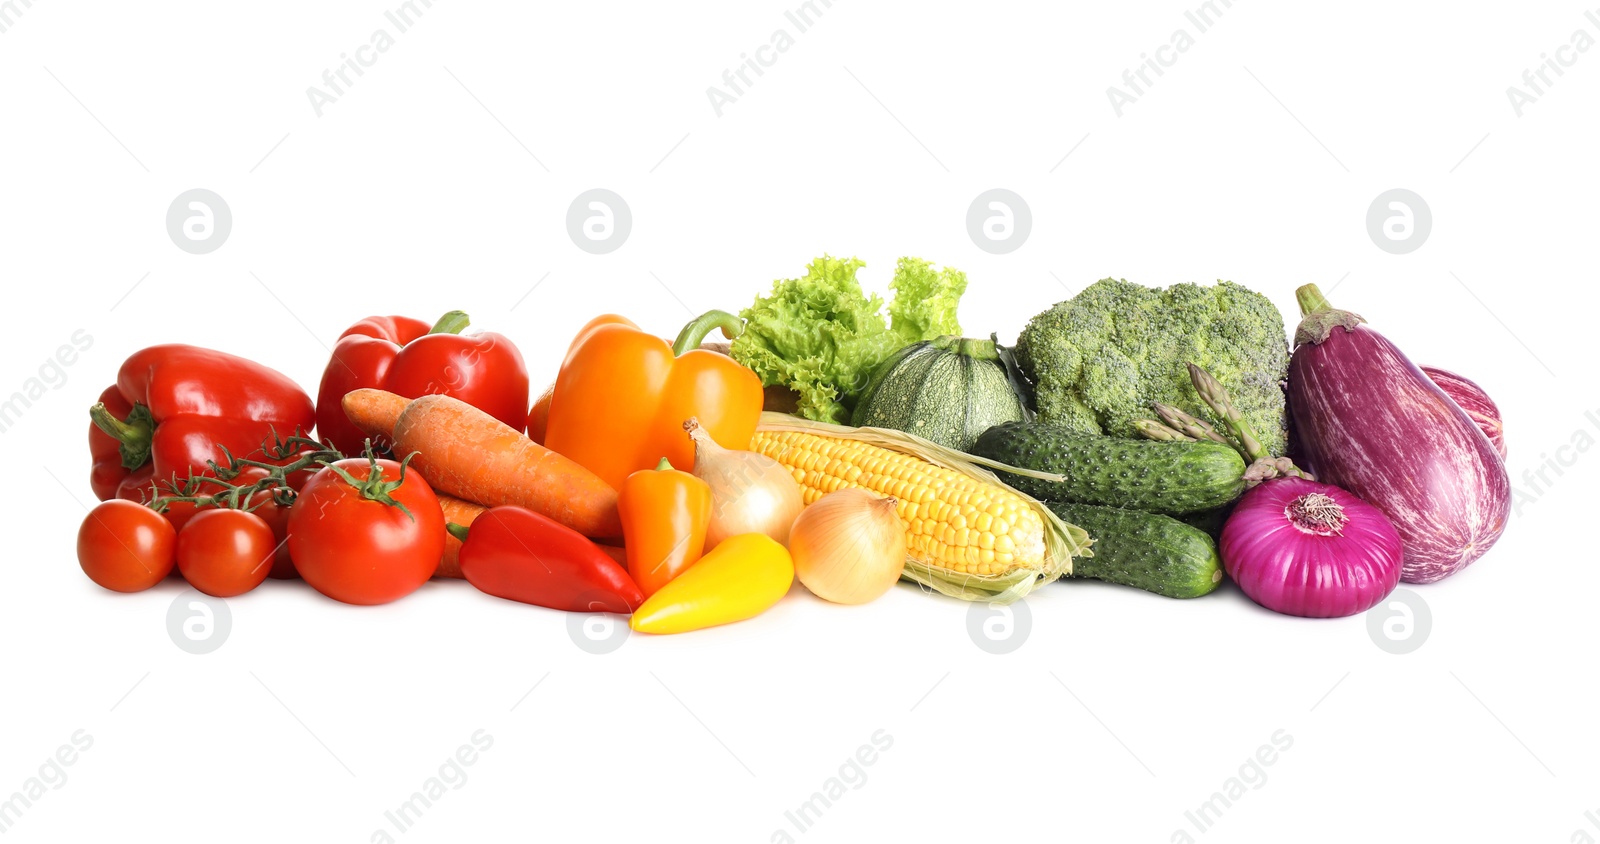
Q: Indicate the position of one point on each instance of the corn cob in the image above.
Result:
(953, 521)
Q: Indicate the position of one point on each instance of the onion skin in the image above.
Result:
(1310, 574)
(750, 492)
(1371, 422)
(1471, 398)
(849, 546)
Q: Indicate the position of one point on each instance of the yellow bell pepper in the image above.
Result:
(741, 578)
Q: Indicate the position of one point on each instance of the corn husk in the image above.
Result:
(1062, 541)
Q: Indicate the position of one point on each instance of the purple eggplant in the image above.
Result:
(1471, 398)
(1370, 421)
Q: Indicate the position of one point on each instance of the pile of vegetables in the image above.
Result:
(1137, 436)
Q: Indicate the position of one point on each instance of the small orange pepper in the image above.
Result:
(623, 394)
(664, 517)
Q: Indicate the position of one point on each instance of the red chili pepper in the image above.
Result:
(515, 553)
(174, 408)
(408, 357)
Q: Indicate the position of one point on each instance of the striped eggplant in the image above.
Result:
(1471, 398)
(1371, 422)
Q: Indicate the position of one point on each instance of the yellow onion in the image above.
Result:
(849, 546)
(750, 493)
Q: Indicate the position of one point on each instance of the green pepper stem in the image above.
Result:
(695, 332)
(134, 434)
(460, 532)
(454, 322)
(113, 427)
(664, 465)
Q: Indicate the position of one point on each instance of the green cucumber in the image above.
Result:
(1209, 522)
(947, 390)
(1146, 550)
(1159, 477)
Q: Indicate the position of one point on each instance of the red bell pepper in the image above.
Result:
(514, 553)
(174, 408)
(408, 357)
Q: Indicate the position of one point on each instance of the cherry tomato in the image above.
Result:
(224, 552)
(126, 547)
(355, 549)
(277, 518)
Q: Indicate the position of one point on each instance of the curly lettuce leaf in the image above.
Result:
(925, 300)
(821, 335)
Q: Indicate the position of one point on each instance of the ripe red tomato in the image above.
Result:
(355, 549)
(276, 518)
(125, 546)
(225, 552)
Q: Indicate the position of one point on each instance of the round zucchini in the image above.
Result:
(948, 390)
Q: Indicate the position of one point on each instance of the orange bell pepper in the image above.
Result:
(623, 394)
(664, 517)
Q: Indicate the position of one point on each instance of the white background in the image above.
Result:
(441, 180)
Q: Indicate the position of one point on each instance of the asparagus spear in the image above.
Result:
(1154, 430)
(1264, 465)
(1194, 427)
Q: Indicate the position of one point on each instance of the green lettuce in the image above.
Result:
(821, 336)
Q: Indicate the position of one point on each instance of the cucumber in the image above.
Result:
(1146, 550)
(1209, 522)
(947, 390)
(1158, 477)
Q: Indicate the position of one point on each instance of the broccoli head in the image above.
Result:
(1099, 359)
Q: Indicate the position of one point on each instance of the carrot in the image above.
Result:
(462, 513)
(469, 454)
(374, 412)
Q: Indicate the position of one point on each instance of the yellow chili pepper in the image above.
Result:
(741, 578)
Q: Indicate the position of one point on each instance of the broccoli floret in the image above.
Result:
(1099, 359)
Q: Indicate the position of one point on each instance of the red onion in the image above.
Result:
(1474, 401)
(1309, 549)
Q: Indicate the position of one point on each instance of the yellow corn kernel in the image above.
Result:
(952, 521)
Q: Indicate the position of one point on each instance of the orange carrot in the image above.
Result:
(462, 513)
(374, 412)
(469, 454)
